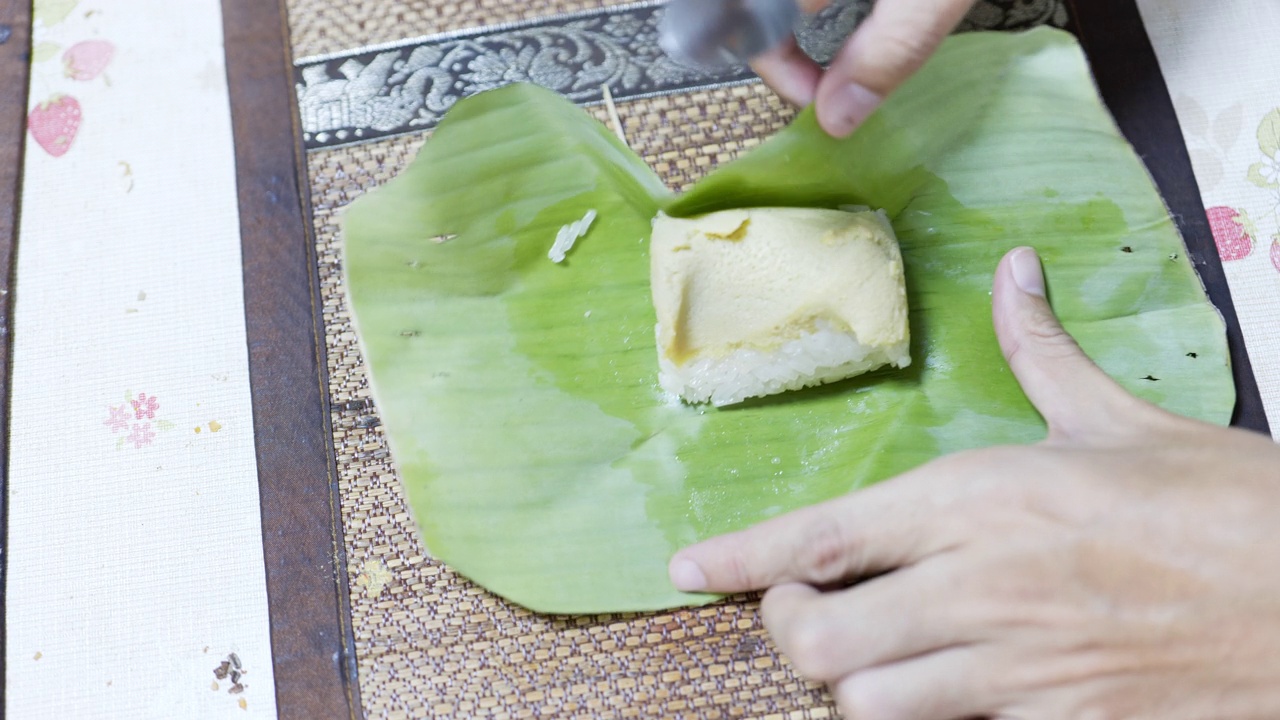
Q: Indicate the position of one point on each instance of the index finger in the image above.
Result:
(791, 73)
(895, 523)
(788, 70)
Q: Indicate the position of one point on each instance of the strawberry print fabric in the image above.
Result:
(1222, 65)
(134, 551)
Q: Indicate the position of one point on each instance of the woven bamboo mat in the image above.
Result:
(428, 642)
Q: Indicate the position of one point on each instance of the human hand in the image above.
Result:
(890, 45)
(1128, 566)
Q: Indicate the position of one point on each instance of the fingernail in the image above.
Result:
(846, 108)
(687, 576)
(1028, 274)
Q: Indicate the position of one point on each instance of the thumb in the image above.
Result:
(894, 41)
(1077, 399)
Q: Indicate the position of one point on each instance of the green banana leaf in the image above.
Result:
(520, 396)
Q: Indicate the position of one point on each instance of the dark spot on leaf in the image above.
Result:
(441, 239)
(1193, 356)
(1174, 256)
(410, 333)
(1151, 378)
(1126, 249)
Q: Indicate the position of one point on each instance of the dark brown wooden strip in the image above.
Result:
(311, 634)
(1129, 78)
(15, 47)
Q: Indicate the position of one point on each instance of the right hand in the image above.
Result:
(1124, 567)
(894, 42)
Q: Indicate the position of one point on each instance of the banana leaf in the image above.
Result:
(520, 396)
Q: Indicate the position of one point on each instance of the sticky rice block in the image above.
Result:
(761, 301)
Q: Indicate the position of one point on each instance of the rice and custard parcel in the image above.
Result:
(518, 395)
(760, 301)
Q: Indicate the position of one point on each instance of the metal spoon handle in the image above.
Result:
(718, 33)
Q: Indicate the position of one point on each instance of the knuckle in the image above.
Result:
(1041, 336)
(1049, 335)
(773, 613)
(809, 630)
(809, 646)
(857, 696)
(741, 571)
(825, 550)
(1013, 350)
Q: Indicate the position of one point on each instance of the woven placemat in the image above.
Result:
(428, 642)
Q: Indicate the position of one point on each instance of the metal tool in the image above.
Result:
(720, 33)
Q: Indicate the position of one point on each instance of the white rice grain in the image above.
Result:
(568, 235)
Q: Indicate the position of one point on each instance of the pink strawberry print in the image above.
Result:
(1230, 233)
(86, 60)
(1275, 252)
(54, 122)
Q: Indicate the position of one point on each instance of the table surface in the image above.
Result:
(307, 578)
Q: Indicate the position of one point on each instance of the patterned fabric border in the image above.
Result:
(407, 87)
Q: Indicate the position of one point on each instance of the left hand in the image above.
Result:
(1128, 566)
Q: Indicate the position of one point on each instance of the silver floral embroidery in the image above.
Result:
(408, 87)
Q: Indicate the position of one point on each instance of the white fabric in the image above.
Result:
(1221, 62)
(135, 562)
